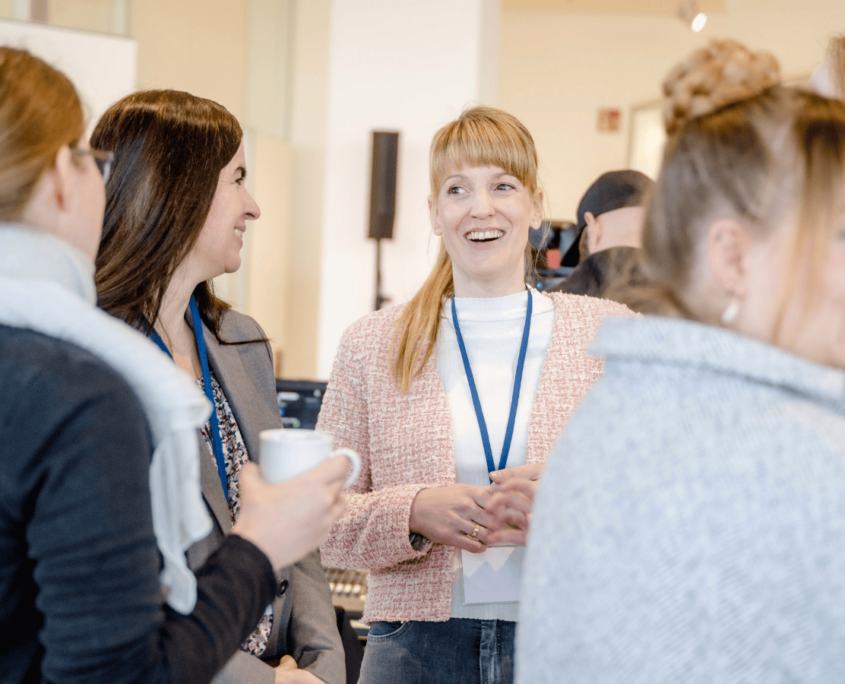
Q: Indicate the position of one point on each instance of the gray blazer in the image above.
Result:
(304, 624)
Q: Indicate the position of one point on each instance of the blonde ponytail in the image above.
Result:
(415, 337)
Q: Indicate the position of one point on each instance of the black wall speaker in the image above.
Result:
(383, 184)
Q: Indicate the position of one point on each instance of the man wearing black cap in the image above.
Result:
(610, 216)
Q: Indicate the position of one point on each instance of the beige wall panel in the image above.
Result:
(268, 66)
(87, 15)
(194, 45)
(309, 91)
(268, 277)
(577, 64)
(557, 69)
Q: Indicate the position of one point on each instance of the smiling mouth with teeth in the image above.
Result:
(485, 235)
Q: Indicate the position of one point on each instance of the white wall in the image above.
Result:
(557, 69)
(268, 282)
(102, 68)
(397, 65)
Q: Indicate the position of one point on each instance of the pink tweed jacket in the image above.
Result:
(406, 443)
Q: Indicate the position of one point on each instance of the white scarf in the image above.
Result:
(48, 286)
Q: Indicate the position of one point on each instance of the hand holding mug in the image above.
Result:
(290, 519)
(288, 453)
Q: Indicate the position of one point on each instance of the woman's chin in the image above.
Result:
(232, 266)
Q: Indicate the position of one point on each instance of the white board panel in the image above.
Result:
(647, 139)
(102, 67)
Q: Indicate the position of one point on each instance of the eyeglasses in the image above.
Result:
(102, 159)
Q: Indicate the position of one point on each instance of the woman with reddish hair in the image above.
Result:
(100, 493)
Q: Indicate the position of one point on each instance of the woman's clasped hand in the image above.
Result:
(471, 517)
(449, 515)
(512, 499)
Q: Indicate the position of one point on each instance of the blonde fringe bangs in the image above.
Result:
(484, 139)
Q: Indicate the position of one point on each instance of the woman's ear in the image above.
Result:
(593, 229)
(727, 253)
(63, 178)
(537, 214)
(51, 195)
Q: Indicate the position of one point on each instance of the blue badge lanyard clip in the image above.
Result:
(517, 383)
(216, 441)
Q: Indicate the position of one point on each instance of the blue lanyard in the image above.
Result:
(216, 442)
(517, 383)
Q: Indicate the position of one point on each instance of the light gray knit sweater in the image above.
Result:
(690, 525)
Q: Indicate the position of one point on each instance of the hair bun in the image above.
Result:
(722, 73)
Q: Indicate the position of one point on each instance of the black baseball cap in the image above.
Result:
(615, 190)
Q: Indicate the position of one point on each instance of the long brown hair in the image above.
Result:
(740, 146)
(169, 148)
(40, 112)
(481, 136)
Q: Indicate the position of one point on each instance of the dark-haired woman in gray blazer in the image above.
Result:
(176, 212)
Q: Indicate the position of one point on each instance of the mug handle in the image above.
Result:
(356, 464)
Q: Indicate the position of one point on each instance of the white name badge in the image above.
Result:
(494, 576)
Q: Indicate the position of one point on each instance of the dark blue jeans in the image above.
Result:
(460, 651)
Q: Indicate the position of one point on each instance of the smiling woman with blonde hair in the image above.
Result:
(469, 382)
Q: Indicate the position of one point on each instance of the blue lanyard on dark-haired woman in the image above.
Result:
(216, 441)
(517, 383)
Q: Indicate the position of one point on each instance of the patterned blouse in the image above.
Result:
(235, 455)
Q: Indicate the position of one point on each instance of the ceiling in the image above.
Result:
(669, 7)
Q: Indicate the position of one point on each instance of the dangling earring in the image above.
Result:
(729, 314)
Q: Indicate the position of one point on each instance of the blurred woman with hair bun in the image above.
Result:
(698, 536)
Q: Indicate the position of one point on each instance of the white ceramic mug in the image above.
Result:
(288, 453)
